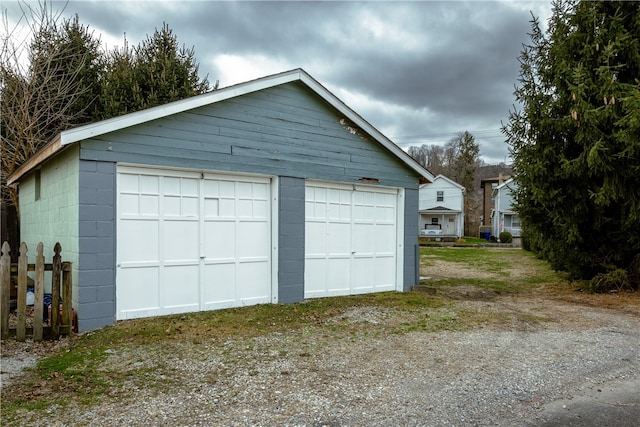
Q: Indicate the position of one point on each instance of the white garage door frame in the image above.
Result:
(253, 268)
(315, 252)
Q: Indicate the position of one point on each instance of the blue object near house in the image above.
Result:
(270, 191)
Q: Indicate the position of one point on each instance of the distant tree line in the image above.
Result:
(61, 77)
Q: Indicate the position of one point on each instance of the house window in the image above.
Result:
(440, 196)
(37, 185)
(434, 220)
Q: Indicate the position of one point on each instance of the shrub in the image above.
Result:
(505, 237)
(614, 280)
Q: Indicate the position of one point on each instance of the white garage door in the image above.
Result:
(351, 240)
(191, 242)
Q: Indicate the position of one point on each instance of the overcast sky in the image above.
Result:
(420, 72)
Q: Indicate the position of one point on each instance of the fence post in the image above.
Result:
(66, 297)
(55, 292)
(22, 294)
(38, 305)
(5, 288)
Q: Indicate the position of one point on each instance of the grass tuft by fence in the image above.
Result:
(14, 288)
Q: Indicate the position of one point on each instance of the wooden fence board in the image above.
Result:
(5, 288)
(22, 293)
(55, 293)
(61, 316)
(38, 305)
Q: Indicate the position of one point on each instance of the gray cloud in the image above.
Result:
(437, 68)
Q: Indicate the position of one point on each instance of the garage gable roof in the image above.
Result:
(127, 120)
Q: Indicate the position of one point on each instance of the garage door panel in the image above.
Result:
(219, 239)
(315, 273)
(244, 190)
(363, 274)
(245, 208)
(227, 189)
(261, 208)
(180, 286)
(145, 247)
(253, 239)
(181, 240)
(136, 289)
(219, 283)
(338, 238)
(315, 242)
(149, 204)
(129, 204)
(384, 273)
(227, 208)
(255, 280)
(385, 239)
(338, 274)
(211, 208)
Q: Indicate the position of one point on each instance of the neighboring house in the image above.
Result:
(488, 186)
(441, 208)
(503, 217)
(268, 191)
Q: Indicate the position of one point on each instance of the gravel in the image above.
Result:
(494, 376)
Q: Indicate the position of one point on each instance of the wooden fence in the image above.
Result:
(13, 282)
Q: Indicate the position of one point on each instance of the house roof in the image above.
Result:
(450, 181)
(80, 133)
(508, 183)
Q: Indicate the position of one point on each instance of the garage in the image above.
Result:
(190, 241)
(268, 191)
(351, 239)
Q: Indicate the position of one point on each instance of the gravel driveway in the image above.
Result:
(522, 373)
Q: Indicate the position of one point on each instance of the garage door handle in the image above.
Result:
(353, 253)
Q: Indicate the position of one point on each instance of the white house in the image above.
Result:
(503, 217)
(441, 208)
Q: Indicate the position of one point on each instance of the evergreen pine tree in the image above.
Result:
(576, 141)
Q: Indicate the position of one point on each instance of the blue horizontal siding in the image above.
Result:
(286, 130)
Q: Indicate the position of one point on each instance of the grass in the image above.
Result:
(506, 270)
(89, 368)
(465, 241)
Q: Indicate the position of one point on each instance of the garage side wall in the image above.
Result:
(291, 240)
(411, 248)
(49, 212)
(96, 276)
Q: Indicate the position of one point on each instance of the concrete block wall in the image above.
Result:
(97, 242)
(49, 213)
(291, 239)
(411, 254)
